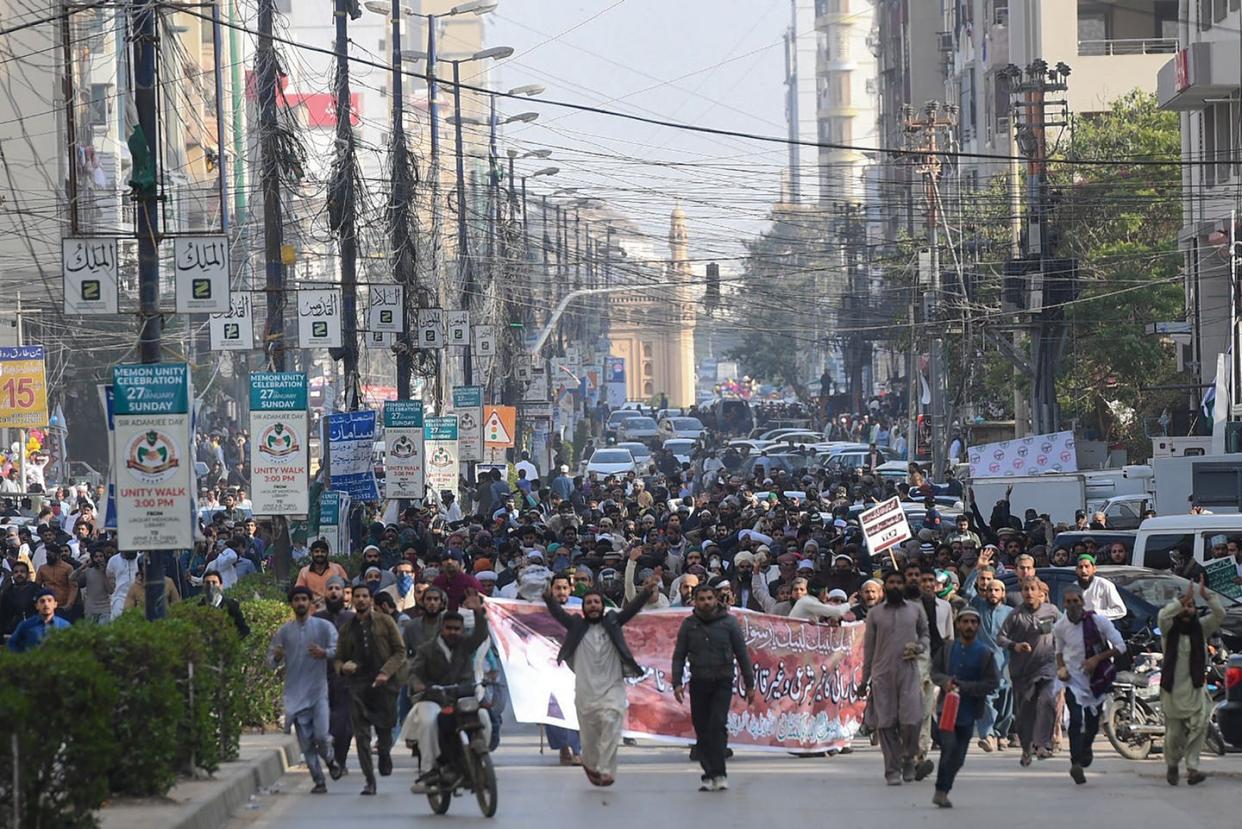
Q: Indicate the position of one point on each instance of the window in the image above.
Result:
(284, 6)
(99, 104)
(1094, 23)
(1220, 8)
(1000, 92)
(1205, 14)
(1156, 550)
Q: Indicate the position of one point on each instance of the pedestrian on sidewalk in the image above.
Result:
(371, 654)
(1184, 700)
(896, 636)
(1086, 644)
(596, 652)
(303, 646)
(1027, 636)
(968, 666)
(711, 640)
(336, 610)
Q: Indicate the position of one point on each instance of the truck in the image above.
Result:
(1213, 482)
(1059, 495)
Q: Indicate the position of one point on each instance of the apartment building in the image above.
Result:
(1201, 82)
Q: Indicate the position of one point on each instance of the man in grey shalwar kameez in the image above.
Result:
(303, 645)
(896, 635)
(595, 649)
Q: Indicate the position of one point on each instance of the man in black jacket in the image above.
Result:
(213, 596)
(595, 649)
(712, 640)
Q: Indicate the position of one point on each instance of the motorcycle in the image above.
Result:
(1134, 722)
(470, 764)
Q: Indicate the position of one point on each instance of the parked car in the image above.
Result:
(681, 427)
(852, 458)
(681, 448)
(1191, 533)
(614, 422)
(641, 453)
(610, 461)
(1229, 712)
(638, 428)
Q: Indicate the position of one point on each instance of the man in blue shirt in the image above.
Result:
(31, 633)
(968, 667)
(996, 719)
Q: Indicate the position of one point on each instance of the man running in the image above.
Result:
(1184, 701)
(968, 666)
(1084, 640)
(1027, 635)
(302, 646)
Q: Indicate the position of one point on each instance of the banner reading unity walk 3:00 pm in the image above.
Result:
(806, 678)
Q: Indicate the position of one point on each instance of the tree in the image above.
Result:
(793, 276)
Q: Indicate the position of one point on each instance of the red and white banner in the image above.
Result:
(806, 678)
(1031, 455)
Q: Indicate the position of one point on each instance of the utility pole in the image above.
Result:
(857, 350)
(273, 235)
(343, 218)
(1049, 282)
(146, 190)
(399, 214)
(465, 267)
(923, 131)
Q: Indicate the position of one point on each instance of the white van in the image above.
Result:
(1157, 536)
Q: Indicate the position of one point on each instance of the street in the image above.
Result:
(658, 787)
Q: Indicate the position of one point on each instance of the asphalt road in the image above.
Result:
(657, 786)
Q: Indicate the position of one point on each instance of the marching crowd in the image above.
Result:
(953, 653)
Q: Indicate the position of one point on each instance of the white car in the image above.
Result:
(610, 461)
(641, 453)
(638, 427)
(681, 427)
(681, 448)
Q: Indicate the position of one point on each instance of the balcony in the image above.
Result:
(1203, 71)
(1129, 46)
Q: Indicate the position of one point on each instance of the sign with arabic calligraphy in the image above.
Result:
(430, 328)
(201, 266)
(154, 451)
(458, 325)
(23, 388)
(90, 269)
(385, 313)
(351, 441)
(279, 458)
(379, 339)
(404, 458)
(233, 330)
(440, 444)
(807, 677)
(484, 342)
(319, 319)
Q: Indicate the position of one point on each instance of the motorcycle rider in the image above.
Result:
(448, 659)
(1183, 698)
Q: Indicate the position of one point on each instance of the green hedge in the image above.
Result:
(121, 709)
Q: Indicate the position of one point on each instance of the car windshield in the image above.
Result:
(687, 423)
(638, 423)
(638, 450)
(679, 446)
(618, 416)
(1162, 588)
(611, 456)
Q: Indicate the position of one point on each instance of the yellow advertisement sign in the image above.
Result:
(23, 388)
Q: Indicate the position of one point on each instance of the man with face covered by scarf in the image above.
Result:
(1183, 698)
(595, 649)
(339, 724)
(896, 637)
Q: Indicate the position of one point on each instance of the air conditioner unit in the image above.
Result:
(947, 41)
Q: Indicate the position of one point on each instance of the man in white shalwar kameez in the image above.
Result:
(595, 649)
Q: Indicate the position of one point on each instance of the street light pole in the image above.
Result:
(345, 219)
(464, 265)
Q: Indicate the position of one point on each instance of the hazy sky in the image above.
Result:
(717, 63)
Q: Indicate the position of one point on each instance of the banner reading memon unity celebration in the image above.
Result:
(278, 445)
(806, 678)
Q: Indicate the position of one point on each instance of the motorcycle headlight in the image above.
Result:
(467, 704)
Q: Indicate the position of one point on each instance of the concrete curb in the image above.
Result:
(212, 803)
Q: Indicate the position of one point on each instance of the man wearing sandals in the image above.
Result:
(595, 649)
